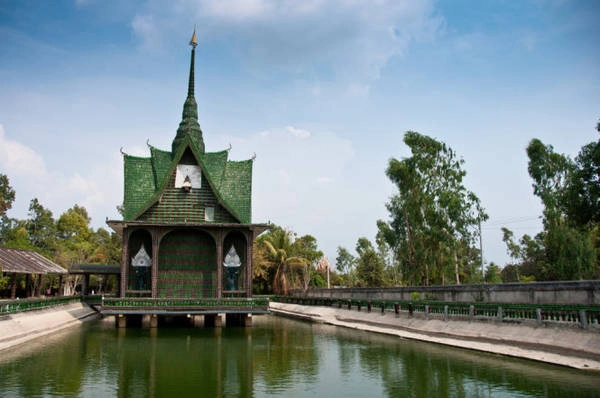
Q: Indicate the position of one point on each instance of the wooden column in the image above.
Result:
(85, 283)
(28, 285)
(125, 263)
(220, 237)
(154, 263)
(38, 288)
(13, 286)
(249, 252)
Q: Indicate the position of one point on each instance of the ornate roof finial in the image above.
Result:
(189, 125)
(194, 40)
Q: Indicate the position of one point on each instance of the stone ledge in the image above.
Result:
(560, 346)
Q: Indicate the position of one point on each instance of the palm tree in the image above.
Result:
(279, 249)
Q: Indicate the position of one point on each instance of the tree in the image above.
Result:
(306, 248)
(493, 274)
(278, 244)
(345, 264)
(434, 218)
(567, 190)
(370, 265)
(7, 195)
(41, 228)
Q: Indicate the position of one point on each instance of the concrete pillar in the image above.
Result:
(583, 319)
(220, 237)
(197, 321)
(248, 268)
(124, 264)
(121, 321)
(214, 320)
(149, 321)
(471, 312)
(538, 315)
(154, 276)
(500, 315)
(445, 313)
(427, 311)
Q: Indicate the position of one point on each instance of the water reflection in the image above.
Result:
(276, 357)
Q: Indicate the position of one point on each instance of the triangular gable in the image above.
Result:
(188, 143)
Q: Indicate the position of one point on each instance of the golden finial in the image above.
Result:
(194, 40)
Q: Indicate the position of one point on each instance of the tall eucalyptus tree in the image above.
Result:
(434, 218)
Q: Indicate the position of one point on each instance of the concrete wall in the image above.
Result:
(570, 292)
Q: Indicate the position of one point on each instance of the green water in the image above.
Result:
(276, 357)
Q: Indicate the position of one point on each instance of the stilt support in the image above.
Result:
(149, 321)
(197, 321)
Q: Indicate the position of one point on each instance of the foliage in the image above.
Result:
(7, 194)
(369, 269)
(568, 247)
(434, 218)
(282, 261)
(41, 228)
(66, 241)
(345, 264)
(493, 274)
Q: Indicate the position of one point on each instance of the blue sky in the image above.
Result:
(321, 91)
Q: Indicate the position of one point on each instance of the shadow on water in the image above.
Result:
(276, 357)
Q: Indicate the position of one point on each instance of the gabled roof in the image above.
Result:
(146, 179)
(27, 262)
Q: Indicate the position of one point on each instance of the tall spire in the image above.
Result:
(189, 120)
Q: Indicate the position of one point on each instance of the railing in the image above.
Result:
(174, 305)
(584, 316)
(29, 304)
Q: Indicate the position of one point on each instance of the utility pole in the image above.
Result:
(481, 253)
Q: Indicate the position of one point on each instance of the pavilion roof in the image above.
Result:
(20, 261)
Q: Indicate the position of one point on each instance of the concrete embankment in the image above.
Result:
(19, 328)
(567, 346)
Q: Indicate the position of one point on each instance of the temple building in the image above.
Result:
(186, 228)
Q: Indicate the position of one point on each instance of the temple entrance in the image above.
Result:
(187, 265)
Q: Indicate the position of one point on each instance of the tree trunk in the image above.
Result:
(456, 270)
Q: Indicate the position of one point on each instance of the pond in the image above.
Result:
(275, 357)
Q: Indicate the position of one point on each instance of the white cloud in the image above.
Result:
(30, 177)
(19, 159)
(300, 133)
(145, 28)
(336, 40)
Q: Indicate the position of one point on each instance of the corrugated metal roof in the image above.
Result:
(27, 262)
